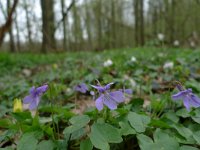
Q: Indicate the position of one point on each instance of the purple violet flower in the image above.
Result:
(127, 91)
(33, 98)
(81, 88)
(110, 99)
(189, 99)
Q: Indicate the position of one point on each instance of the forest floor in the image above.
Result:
(149, 72)
(154, 70)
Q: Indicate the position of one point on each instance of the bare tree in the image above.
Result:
(98, 16)
(88, 25)
(5, 27)
(48, 28)
(17, 29)
(113, 24)
(64, 25)
(139, 22)
(77, 28)
(28, 25)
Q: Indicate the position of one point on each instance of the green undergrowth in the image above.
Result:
(150, 120)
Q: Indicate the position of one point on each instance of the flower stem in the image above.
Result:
(106, 114)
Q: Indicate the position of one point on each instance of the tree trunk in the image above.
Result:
(48, 29)
(5, 28)
(18, 38)
(136, 15)
(64, 25)
(77, 31)
(28, 25)
(141, 16)
(88, 27)
(12, 43)
(139, 22)
(154, 21)
(113, 25)
(98, 16)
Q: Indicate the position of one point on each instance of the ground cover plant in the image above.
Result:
(142, 98)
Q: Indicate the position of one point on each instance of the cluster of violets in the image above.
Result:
(106, 97)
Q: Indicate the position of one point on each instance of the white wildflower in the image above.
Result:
(168, 65)
(133, 83)
(68, 90)
(161, 36)
(133, 59)
(192, 44)
(107, 63)
(176, 43)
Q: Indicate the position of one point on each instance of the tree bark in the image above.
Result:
(77, 30)
(88, 27)
(113, 25)
(18, 38)
(139, 22)
(28, 25)
(98, 15)
(64, 25)
(141, 15)
(12, 43)
(48, 28)
(136, 15)
(5, 28)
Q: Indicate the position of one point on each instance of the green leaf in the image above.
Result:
(144, 139)
(82, 119)
(165, 141)
(159, 123)
(102, 134)
(186, 147)
(7, 148)
(171, 116)
(61, 144)
(196, 116)
(98, 140)
(21, 116)
(162, 141)
(8, 134)
(145, 142)
(5, 123)
(182, 113)
(138, 122)
(46, 144)
(48, 130)
(196, 136)
(78, 134)
(185, 132)
(77, 122)
(86, 145)
(44, 120)
(126, 128)
(28, 142)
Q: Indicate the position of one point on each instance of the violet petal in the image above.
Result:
(194, 100)
(107, 100)
(42, 89)
(33, 105)
(179, 95)
(28, 99)
(99, 103)
(117, 96)
(186, 103)
(107, 87)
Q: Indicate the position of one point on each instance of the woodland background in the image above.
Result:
(75, 25)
